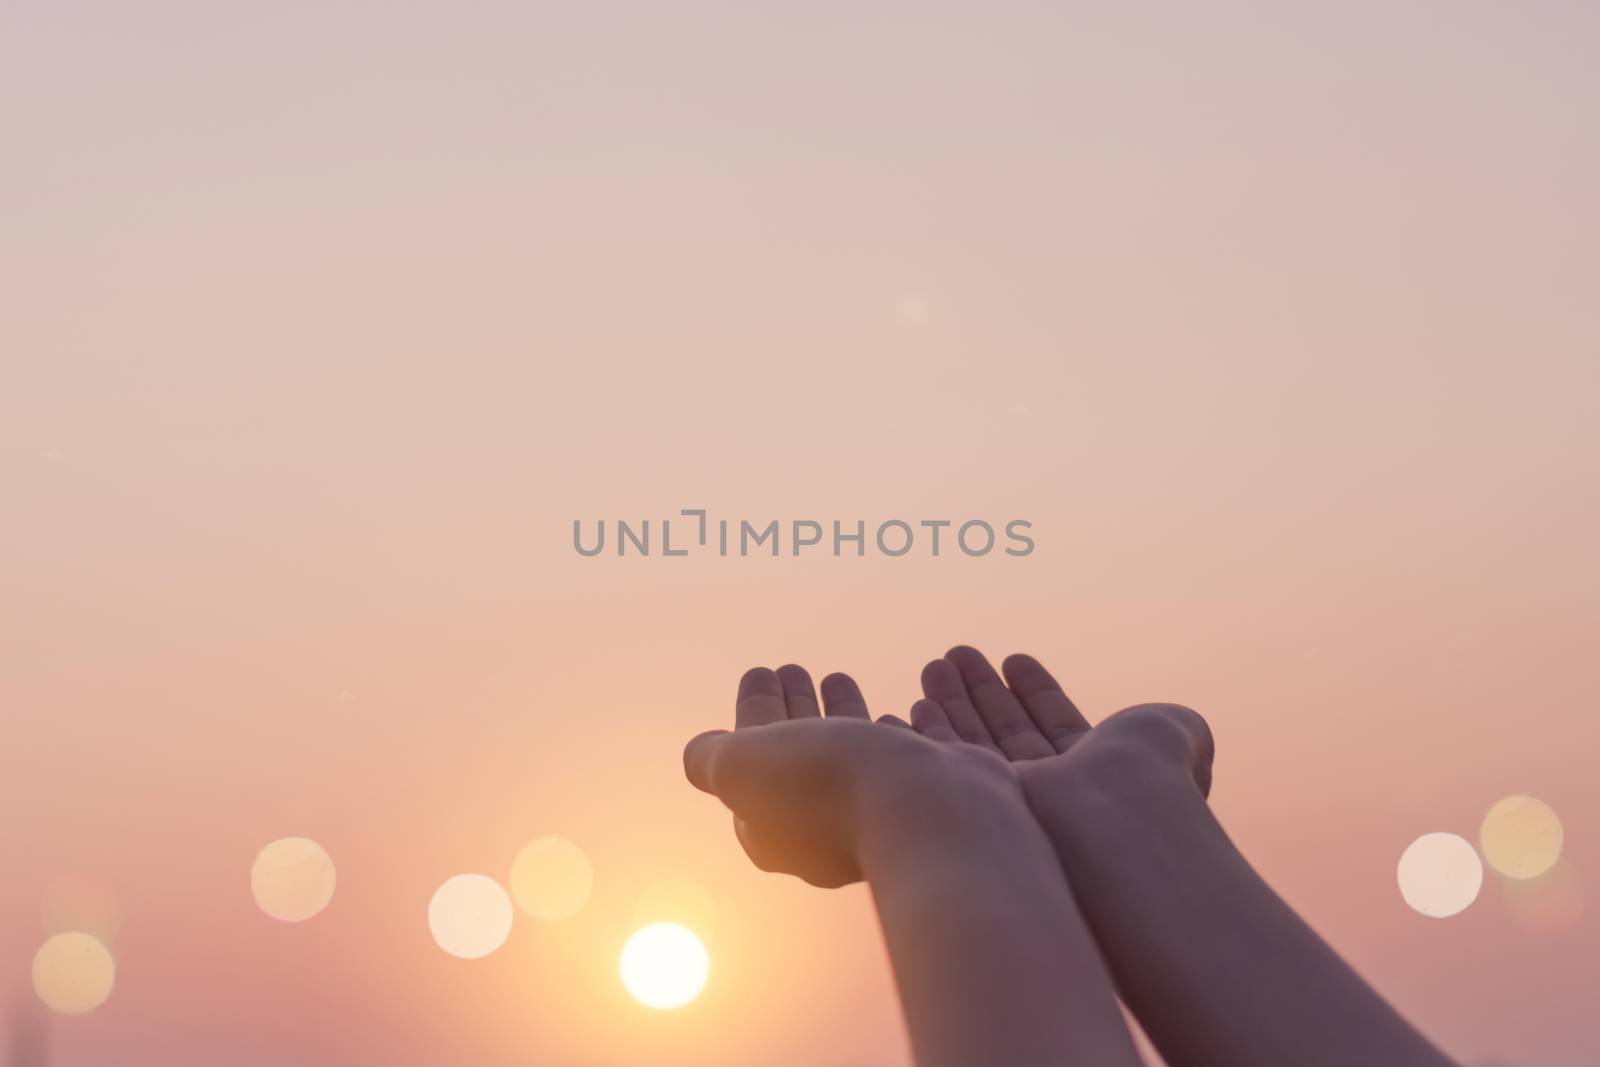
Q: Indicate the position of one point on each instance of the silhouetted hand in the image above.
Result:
(806, 783)
(993, 962)
(1026, 719)
(1189, 930)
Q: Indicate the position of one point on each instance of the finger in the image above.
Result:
(799, 695)
(929, 720)
(893, 720)
(1057, 717)
(739, 767)
(699, 759)
(1001, 711)
(841, 698)
(760, 699)
(941, 682)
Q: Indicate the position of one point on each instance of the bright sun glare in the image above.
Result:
(664, 966)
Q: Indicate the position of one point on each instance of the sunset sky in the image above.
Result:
(322, 323)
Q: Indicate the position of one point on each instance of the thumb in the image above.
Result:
(1185, 726)
(699, 759)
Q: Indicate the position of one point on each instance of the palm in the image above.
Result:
(1028, 720)
(793, 770)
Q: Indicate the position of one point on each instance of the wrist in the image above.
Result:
(947, 808)
(1117, 784)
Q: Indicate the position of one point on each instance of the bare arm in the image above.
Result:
(1219, 970)
(993, 962)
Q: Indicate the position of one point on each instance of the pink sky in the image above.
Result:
(323, 323)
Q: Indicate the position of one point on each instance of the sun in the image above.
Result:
(664, 966)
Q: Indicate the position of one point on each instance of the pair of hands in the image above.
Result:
(808, 782)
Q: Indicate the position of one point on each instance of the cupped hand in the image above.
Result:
(1028, 720)
(805, 781)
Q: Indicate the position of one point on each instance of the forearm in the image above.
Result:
(994, 964)
(1218, 969)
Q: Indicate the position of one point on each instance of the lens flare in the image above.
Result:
(73, 973)
(470, 916)
(1521, 837)
(1440, 875)
(292, 879)
(664, 966)
(551, 879)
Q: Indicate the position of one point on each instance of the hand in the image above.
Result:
(1188, 929)
(992, 960)
(807, 784)
(1027, 720)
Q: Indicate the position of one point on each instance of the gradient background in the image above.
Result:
(323, 322)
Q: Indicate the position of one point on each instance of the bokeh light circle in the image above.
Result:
(1521, 837)
(664, 966)
(73, 973)
(470, 916)
(1440, 874)
(292, 879)
(679, 900)
(551, 879)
